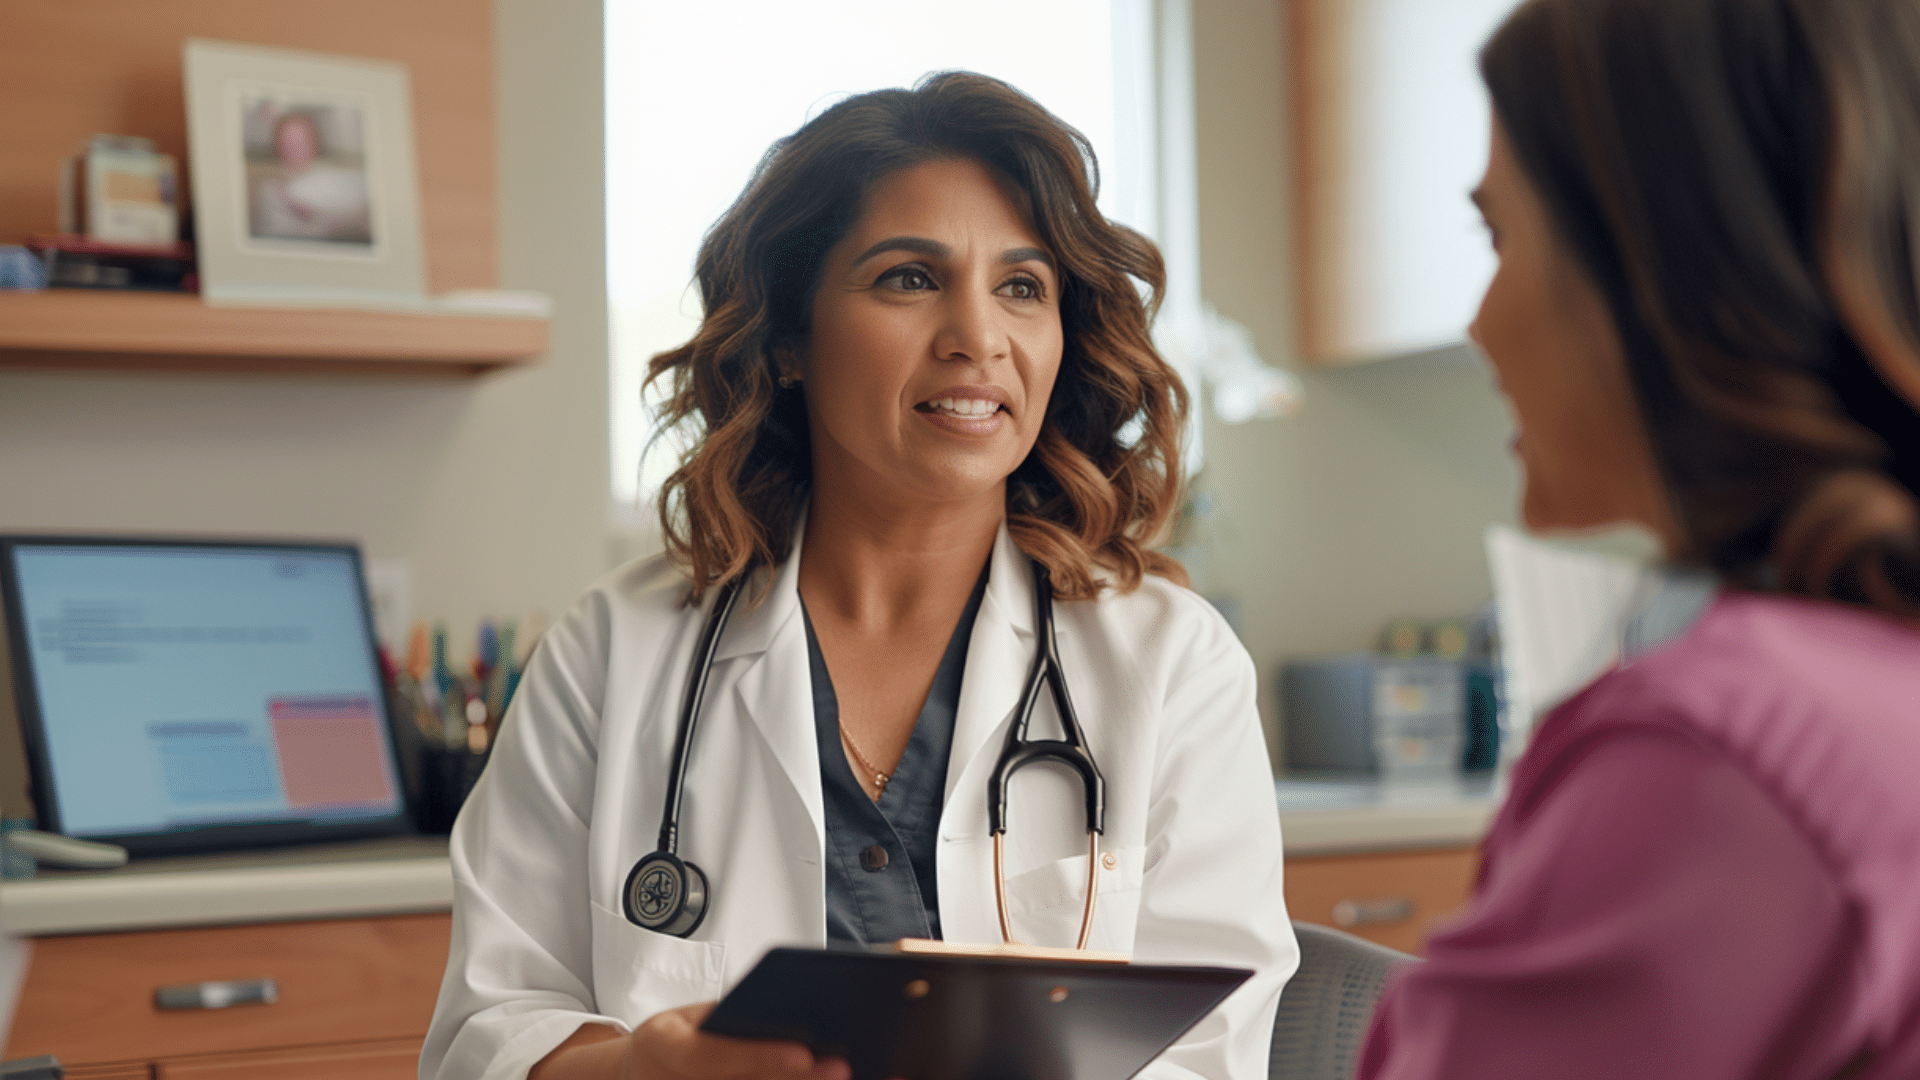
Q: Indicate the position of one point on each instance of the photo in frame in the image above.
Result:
(304, 186)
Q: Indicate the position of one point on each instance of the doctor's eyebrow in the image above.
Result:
(1027, 254)
(934, 249)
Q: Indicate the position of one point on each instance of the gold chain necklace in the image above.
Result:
(879, 778)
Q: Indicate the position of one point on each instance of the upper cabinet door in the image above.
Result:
(1390, 129)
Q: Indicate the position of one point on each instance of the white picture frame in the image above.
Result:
(305, 191)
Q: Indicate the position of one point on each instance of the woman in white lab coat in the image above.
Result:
(924, 366)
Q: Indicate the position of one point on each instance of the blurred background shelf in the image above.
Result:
(84, 329)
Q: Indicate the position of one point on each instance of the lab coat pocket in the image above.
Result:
(638, 973)
(1046, 903)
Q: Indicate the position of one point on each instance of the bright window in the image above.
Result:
(697, 92)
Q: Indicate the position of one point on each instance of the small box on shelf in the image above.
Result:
(121, 190)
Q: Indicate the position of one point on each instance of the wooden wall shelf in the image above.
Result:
(66, 329)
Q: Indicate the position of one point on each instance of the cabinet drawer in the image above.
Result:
(388, 1059)
(89, 999)
(1393, 898)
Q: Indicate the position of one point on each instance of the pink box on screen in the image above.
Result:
(331, 752)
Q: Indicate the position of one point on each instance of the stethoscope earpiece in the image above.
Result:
(665, 893)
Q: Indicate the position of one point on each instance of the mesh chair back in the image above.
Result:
(1326, 1006)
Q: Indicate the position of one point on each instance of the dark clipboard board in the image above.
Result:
(918, 1017)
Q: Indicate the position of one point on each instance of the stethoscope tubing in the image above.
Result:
(1070, 751)
(704, 651)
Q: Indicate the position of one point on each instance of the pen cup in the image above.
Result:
(447, 776)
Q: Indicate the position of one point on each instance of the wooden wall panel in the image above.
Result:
(73, 68)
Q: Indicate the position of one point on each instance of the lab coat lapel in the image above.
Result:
(998, 656)
(776, 689)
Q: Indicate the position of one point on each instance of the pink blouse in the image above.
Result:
(1708, 865)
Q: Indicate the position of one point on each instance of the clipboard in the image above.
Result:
(958, 1017)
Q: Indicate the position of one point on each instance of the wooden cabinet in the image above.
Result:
(1392, 897)
(355, 997)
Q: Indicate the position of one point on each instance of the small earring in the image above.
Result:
(787, 382)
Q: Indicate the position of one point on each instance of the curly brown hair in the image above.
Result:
(1103, 478)
(1741, 180)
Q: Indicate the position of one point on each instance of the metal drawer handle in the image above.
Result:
(1351, 913)
(217, 995)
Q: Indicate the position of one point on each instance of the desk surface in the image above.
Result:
(1317, 817)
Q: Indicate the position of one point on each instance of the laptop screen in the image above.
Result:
(172, 690)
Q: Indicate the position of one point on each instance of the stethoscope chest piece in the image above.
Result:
(665, 893)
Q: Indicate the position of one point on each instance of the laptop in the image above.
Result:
(180, 697)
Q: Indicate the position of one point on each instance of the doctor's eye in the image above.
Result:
(908, 278)
(1023, 287)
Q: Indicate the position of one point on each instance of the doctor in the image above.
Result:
(922, 353)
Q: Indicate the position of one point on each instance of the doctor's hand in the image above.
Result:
(671, 1046)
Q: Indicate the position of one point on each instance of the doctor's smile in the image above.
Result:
(969, 410)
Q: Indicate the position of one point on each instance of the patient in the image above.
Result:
(1708, 321)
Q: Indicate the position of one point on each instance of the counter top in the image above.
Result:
(326, 882)
(1339, 816)
(1317, 817)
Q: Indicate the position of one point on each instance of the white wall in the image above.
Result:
(494, 489)
(1370, 503)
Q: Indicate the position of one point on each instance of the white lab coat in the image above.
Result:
(572, 798)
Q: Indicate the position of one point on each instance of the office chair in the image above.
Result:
(1326, 1006)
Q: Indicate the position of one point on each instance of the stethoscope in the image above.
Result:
(665, 893)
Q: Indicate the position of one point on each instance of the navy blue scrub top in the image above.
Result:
(880, 855)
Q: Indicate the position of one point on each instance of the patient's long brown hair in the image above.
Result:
(1741, 179)
(1104, 476)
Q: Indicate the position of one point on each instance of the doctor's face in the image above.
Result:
(935, 340)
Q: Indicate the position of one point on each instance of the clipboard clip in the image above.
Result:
(1014, 950)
